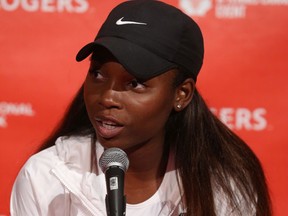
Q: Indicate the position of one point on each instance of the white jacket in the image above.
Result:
(59, 181)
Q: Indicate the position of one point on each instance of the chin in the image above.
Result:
(110, 143)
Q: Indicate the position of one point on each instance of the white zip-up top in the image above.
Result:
(59, 181)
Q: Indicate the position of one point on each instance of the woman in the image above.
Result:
(139, 95)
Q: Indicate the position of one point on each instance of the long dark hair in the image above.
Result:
(209, 157)
(74, 123)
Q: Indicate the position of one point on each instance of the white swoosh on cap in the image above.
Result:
(121, 22)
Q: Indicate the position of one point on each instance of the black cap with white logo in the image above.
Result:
(150, 37)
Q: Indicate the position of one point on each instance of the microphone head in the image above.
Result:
(114, 157)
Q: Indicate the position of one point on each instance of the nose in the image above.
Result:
(110, 97)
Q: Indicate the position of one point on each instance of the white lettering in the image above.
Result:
(226, 116)
(30, 5)
(82, 6)
(196, 8)
(274, 2)
(260, 121)
(3, 122)
(9, 6)
(242, 118)
(49, 6)
(252, 2)
(230, 11)
(64, 4)
(16, 109)
(245, 2)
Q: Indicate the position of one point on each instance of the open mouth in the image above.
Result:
(109, 125)
(107, 128)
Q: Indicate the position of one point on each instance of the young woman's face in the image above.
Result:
(125, 112)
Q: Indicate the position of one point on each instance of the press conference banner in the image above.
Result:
(244, 77)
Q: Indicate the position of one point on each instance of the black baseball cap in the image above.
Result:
(150, 37)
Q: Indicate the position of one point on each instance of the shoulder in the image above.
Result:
(40, 162)
(30, 183)
(36, 185)
(65, 150)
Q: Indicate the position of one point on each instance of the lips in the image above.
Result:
(108, 127)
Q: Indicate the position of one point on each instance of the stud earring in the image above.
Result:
(178, 106)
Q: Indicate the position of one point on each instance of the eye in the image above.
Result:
(95, 73)
(95, 69)
(136, 84)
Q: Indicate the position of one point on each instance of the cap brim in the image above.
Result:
(138, 61)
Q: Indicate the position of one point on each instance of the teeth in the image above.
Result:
(108, 125)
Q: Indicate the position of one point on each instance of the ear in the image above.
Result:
(184, 94)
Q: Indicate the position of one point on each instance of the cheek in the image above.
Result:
(89, 99)
(152, 111)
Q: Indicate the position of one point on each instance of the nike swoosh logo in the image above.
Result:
(122, 22)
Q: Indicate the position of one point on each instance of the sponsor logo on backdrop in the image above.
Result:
(229, 9)
(242, 118)
(14, 109)
(49, 6)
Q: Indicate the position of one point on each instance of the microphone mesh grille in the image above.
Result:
(113, 156)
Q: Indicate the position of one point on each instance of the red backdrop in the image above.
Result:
(243, 78)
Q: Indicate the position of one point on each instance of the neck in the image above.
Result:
(146, 171)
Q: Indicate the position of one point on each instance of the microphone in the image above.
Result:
(114, 163)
